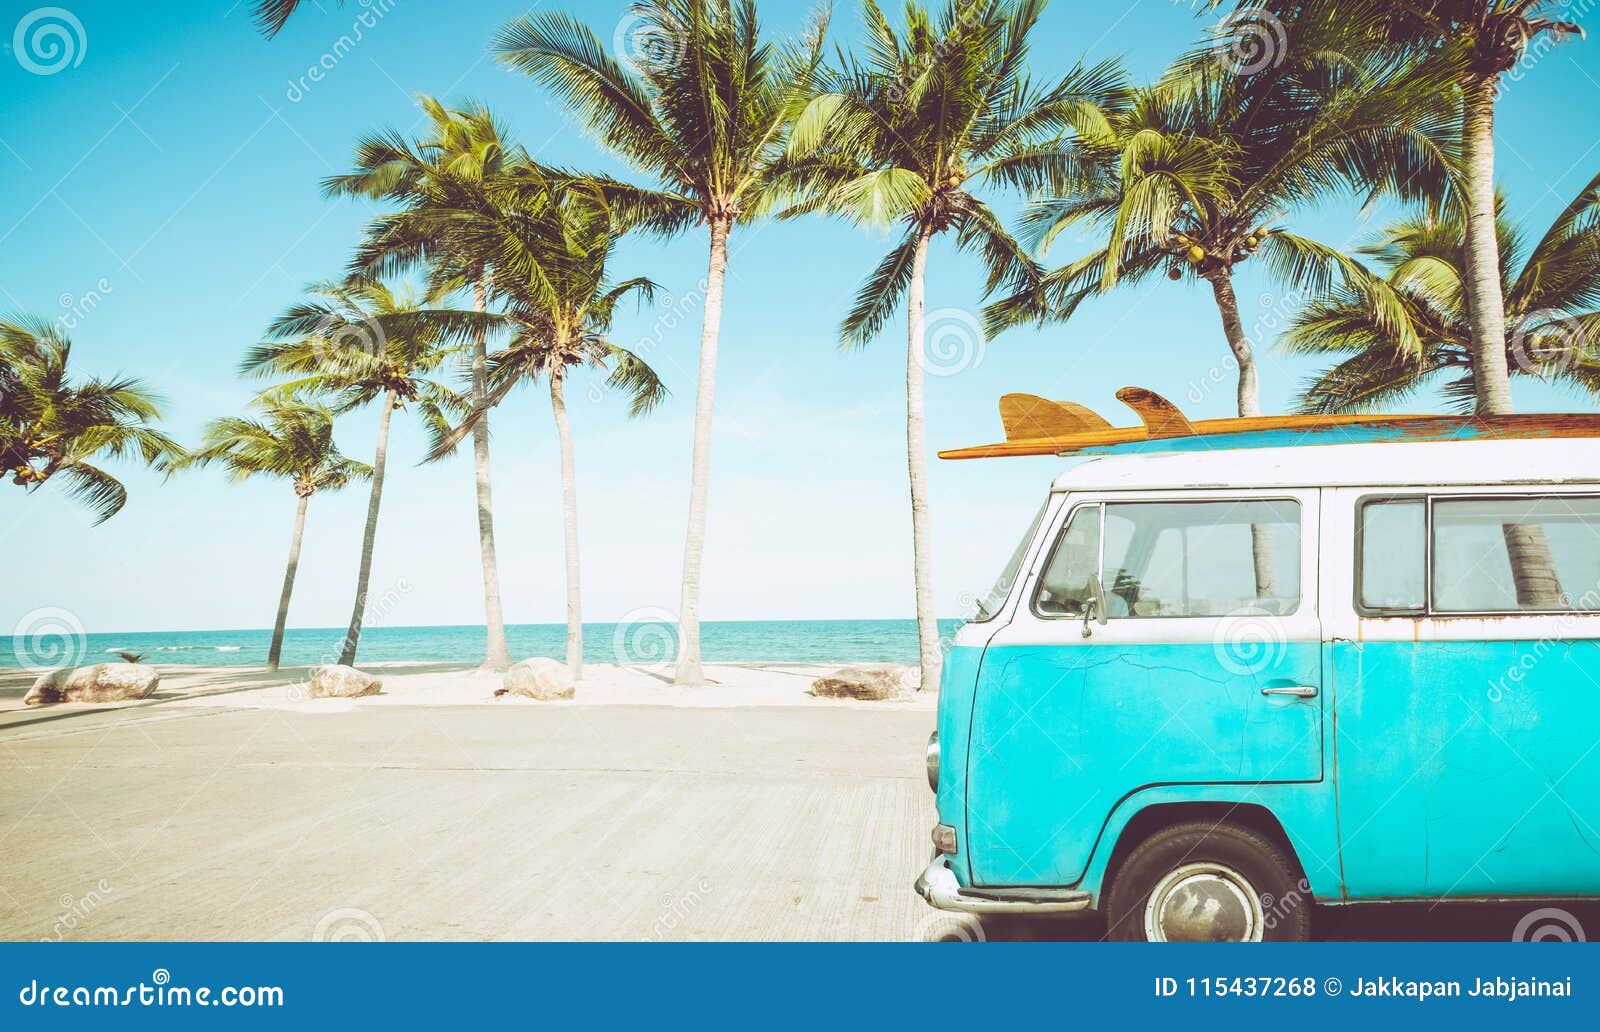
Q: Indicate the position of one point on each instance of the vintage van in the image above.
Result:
(1239, 667)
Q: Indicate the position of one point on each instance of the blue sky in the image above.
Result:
(160, 196)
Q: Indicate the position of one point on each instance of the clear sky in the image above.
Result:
(159, 194)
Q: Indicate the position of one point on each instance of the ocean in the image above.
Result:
(652, 639)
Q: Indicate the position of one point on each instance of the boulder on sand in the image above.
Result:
(538, 678)
(874, 683)
(342, 682)
(103, 682)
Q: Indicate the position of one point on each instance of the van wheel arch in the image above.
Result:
(1155, 817)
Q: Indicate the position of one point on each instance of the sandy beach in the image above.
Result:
(451, 684)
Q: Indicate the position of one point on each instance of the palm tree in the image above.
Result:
(1552, 305)
(551, 244)
(904, 136)
(441, 174)
(1472, 44)
(271, 15)
(1193, 175)
(359, 343)
(704, 111)
(51, 427)
(294, 441)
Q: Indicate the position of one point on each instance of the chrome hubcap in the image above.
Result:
(1203, 902)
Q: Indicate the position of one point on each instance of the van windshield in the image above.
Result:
(990, 604)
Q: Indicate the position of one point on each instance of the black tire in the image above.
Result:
(1243, 863)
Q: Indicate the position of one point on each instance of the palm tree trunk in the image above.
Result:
(929, 651)
(690, 672)
(352, 637)
(1491, 377)
(275, 651)
(569, 527)
(1248, 404)
(495, 656)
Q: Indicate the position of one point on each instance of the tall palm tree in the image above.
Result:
(293, 441)
(1473, 44)
(441, 174)
(906, 135)
(551, 245)
(360, 343)
(52, 428)
(1195, 176)
(703, 111)
(1552, 306)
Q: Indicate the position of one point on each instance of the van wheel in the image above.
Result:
(1206, 882)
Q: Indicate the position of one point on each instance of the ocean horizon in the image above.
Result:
(652, 639)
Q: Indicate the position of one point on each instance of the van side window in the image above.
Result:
(1201, 559)
(1064, 586)
(1394, 556)
(1510, 555)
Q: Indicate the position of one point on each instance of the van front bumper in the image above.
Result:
(937, 884)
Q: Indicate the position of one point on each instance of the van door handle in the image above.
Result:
(1299, 691)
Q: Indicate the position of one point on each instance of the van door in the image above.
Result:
(1205, 669)
(1465, 758)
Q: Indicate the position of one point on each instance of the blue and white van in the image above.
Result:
(1215, 687)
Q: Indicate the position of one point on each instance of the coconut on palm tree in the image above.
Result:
(53, 429)
(293, 441)
(552, 244)
(358, 343)
(441, 175)
(910, 135)
(1473, 45)
(702, 107)
(1418, 267)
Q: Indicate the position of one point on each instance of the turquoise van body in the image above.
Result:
(1402, 717)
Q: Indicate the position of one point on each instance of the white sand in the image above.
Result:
(441, 684)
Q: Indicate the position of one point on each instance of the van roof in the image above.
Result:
(1367, 464)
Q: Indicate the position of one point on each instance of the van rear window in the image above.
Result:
(1481, 555)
